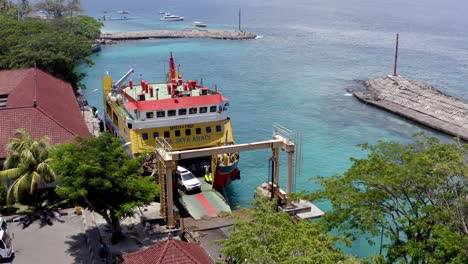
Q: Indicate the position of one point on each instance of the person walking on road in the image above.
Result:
(103, 251)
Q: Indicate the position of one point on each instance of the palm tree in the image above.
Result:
(27, 164)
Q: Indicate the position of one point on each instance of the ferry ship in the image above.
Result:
(185, 113)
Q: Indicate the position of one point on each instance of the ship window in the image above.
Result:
(193, 110)
(155, 134)
(171, 113)
(198, 131)
(177, 133)
(167, 134)
(208, 129)
(160, 114)
(213, 108)
(183, 111)
(188, 132)
(144, 136)
(218, 128)
(203, 109)
(149, 115)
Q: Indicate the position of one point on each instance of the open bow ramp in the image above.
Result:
(207, 203)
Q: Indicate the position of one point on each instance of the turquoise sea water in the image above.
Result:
(297, 73)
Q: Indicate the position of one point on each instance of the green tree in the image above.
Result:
(27, 164)
(271, 237)
(59, 8)
(8, 9)
(52, 46)
(416, 194)
(99, 175)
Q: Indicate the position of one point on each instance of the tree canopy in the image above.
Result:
(99, 175)
(27, 164)
(59, 8)
(56, 46)
(417, 194)
(271, 237)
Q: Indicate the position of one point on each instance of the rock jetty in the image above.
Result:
(189, 33)
(419, 102)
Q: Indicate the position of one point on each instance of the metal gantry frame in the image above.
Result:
(167, 159)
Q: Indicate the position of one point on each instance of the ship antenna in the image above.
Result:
(171, 67)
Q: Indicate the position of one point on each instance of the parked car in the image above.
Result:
(186, 181)
(6, 250)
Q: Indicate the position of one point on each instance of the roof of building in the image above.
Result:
(174, 103)
(170, 251)
(41, 104)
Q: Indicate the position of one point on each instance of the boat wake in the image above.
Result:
(259, 37)
(348, 94)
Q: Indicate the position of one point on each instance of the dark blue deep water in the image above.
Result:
(297, 73)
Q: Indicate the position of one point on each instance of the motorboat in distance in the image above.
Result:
(169, 17)
(199, 24)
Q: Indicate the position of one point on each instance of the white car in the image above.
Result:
(187, 181)
(7, 254)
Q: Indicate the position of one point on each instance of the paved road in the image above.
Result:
(61, 243)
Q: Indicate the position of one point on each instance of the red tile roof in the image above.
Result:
(170, 251)
(56, 115)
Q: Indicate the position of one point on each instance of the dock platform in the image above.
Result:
(418, 102)
(187, 33)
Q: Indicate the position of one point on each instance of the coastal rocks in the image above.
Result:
(419, 102)
(190, 33)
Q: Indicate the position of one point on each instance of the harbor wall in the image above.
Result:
(189, 33)
(418, 102)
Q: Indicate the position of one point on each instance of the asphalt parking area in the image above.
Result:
(60, 241)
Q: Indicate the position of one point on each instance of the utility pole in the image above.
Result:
(396, 57)
(240, 19)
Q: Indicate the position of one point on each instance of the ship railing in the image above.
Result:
(279, 130)
(162, 146)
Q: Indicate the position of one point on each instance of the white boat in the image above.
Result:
(169, 17)
(199, 24)
(123, 12)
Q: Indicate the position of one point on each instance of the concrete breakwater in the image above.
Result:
(189, 33)
(419, 102)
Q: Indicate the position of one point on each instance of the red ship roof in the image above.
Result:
(55, 113)
(169, 252)
(172, 103)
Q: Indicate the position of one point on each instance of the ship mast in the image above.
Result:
(172, 71)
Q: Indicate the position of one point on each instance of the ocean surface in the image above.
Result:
(296, 74)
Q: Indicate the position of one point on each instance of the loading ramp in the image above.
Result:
(205, 204)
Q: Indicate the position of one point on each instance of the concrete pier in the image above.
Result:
(189, 33)
(419, 102)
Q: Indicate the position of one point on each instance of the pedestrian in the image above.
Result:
(220, 259)
(103, 251)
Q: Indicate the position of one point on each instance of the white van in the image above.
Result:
(186, 180)
(6, 250)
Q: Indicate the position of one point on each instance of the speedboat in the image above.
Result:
(199, 24)
(169, 17)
